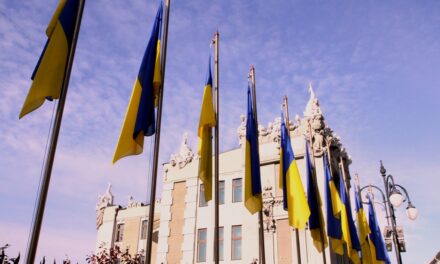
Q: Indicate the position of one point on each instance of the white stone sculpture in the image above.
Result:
(262, 133)
(185, 154)
(268, 204)
(315, 118)
(276, 129)
(132, 203)
(104, 201)
(241, 130)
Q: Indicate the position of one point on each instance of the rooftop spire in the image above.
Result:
(312, 93)
(312, 107)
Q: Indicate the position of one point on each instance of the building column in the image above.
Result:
(165, 218)
(188, 247)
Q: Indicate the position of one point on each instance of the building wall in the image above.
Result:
(181, 216)
(132, 218)
(175, 239)
(281, 241)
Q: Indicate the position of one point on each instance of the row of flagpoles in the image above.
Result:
(143, 118)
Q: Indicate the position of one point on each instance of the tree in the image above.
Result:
(114, 256)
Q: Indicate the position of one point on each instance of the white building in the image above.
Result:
(187, 223)
(125, 227)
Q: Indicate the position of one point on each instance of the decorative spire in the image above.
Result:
(312, 107)
(109, 194)
(312, 93)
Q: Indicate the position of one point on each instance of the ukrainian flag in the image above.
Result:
(252, 183)
(348, 228)
(364, 230)
(140, 117)
(334, 208)
(295, 201)
(378, 251)
(206, 123)
(48, 75)
(316, 220)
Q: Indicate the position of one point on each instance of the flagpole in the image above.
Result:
(163, 51)
(298, 248)
(341, 162)
(260, 213)
(321, 231)
(329, 156)
(216, 157)
(42, 197)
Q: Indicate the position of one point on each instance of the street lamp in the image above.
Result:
(392, 197)
(396, 198)
(411, 211)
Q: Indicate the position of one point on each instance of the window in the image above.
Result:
(119, 233)
(236, 242)
(144, 228)
(201, 245)
(202, 201)
(236, 190)
(220, 242)
(221, 192)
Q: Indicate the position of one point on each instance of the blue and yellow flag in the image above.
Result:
(316, 219)
(48, 75)
(140, 117)
(363, 229)
(252, 178)
(206, 123)
(334, 208)
(295, 201)
(349, 231)
(379, 253)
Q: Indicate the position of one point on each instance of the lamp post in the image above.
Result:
(392, 197)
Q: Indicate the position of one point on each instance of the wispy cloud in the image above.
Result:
(361, 58)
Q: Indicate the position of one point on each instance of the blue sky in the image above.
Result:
(374, 65)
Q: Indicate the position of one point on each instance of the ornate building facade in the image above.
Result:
(185, 229)
(125, 227)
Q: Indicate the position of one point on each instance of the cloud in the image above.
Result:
(355, 56)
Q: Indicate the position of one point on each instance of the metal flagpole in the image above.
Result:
(260, 213)
(341, 163)
(157, 136)
(216, 170)
(42, 197)
(315, 183)
(298, 248)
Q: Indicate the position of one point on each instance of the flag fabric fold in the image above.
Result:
(295, 201)
(348, 228)
(316, 219)
(334, 208)
(379, 253)
(139, 119)
(252, 191)
(206, 123)
(48, 75)
(363, 230)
